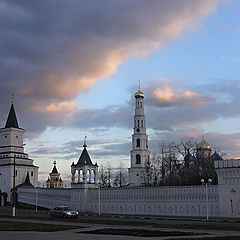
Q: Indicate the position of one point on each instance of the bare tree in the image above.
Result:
(186, 148)
(147, 173)
(156, 168)
(120, 178)
(102, 177)
(109, 174)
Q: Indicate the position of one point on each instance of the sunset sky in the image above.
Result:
(74, 67)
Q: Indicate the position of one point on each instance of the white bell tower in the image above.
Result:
(139, 153)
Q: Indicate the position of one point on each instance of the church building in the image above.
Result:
(54, 180)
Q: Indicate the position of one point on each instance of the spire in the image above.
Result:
(12, 119)
(54, 170)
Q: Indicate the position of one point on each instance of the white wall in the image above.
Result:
(168, 201)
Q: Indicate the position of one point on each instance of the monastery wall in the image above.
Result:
(44, 197)
(165, 201)
(162, 201)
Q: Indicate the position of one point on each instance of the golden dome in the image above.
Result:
(203, 145)
(139, 94)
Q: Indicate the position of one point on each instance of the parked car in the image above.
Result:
(64, 212)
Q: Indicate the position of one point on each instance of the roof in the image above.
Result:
(84, 159)
(203, 145)
(27, 182)
(190, 157)
(215, 156)
(54, 170)
(12, 119)
(139, 94)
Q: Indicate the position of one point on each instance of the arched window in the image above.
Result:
(141, 104)
(138, 123)
(142, 123)
(138, 159)
(138, 142)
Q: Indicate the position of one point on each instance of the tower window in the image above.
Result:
(31, 173)
(141, 104)
(138, 142)
(138, 159)
(142, 123)
(138, 123)
(5, 136)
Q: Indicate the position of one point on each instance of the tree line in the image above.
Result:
(174, 164)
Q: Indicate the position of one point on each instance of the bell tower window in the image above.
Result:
(138, 159)
(138, 142)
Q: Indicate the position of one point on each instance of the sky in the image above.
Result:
(74, 67)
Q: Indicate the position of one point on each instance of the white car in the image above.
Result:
(64, 212)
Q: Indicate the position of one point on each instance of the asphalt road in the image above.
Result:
(93, 222)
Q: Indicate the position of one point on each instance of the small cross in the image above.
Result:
(85, 141)
(12, 98)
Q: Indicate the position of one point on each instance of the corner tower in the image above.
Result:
(12, 156)
(139, 153)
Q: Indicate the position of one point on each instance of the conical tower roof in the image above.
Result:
(12, 119)
(84, 159)
(54, 170)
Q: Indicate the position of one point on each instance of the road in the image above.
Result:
(214, 227)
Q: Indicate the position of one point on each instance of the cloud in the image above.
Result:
(51, 51)
(166, 96)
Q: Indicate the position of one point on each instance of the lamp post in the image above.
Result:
(14, 185)
(36, 200)
(14, 180)
(99, 198)
(206, 185)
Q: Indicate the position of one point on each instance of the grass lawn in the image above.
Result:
(213, 238)
(38, 227)
(139, 232)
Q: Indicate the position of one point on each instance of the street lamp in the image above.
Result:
(14, 185)
(99, 197)
(36, 210)
(206, 184)
(14, 179)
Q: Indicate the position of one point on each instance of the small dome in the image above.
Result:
(215, 156)
(139, 94)
(203, 145)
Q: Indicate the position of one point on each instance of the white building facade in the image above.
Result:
(12, 153)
